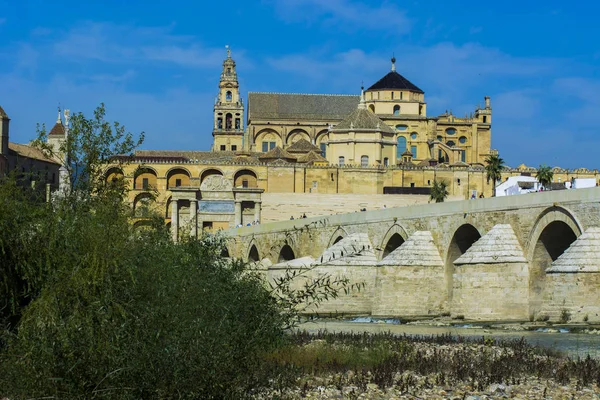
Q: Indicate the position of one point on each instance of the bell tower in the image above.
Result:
(228, 127)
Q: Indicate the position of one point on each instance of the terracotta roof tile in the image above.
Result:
(277, 153)
(311, 157)
(363, 119)
(325, 107)
(57, 130)
(23, 150)
(302, 146)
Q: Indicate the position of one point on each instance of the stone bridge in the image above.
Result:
(533, 256)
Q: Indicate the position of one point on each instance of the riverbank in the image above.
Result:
(574, 340)
(385, 366)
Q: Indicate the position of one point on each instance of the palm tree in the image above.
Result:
(493, 170)
(439, 191)
(544, 175)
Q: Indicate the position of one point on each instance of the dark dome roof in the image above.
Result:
(394, 80)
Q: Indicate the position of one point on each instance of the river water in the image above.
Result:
(570, 343)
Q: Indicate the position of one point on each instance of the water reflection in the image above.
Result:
(572, 344)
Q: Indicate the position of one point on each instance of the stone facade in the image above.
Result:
(29, 162)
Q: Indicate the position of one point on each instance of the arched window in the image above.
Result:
(341, 161)
(396, 109)
(401, 147)
(364, 161)
(228, 121)
(386, 162)
(372, 108)
(228, 95)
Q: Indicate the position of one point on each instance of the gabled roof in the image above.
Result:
(3, 113)
(394, 80)
(324, 107)
(57, 130)
(363, 119)
(277, 153)
(23, 150)
(311, 158)
(302, 146)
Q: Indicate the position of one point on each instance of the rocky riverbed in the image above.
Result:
(430, 368)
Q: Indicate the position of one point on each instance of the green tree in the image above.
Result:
(112, 311)
(544, 175)
(439, 191)
(493, 170)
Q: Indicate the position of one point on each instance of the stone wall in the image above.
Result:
(482, 260)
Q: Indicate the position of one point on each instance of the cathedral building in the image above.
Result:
(377, 128)
(378, 142)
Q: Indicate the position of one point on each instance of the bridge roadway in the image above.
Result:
(524, 257)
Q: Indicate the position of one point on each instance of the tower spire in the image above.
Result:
(58, 119)
(393, 62)
(362, 104)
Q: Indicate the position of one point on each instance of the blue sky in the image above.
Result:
(156, 64)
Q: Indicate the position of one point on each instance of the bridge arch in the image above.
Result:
(225, 252)
(286, 254)
(553, 232)
(253, 255)
(393, 239)
(338, 235)
(463, 238)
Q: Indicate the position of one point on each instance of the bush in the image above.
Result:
(94, 308)
(162, 320)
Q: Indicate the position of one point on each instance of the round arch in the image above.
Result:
(463, 238)
(286, 254)
(168, 208)
(208, 172)
(392, 239)
(267, 135)
(142, 205)
(178, 176)
(546, 217)
(555, 229)
(112, 174)
(296, 135)
(321, 135)
(142, 224)
(245, 178)
(338, 235)
(145, 178)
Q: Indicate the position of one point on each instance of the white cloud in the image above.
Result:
(344, 14)
(112, 43)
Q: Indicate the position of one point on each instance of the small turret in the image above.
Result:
(4, 130)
